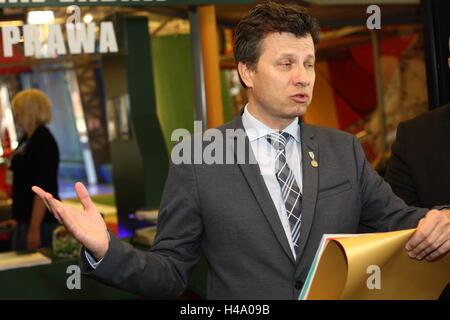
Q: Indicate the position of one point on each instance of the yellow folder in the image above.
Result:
(373, 266)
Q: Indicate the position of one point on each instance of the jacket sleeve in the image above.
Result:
(382, 210)
(162, 272)
(398, 173)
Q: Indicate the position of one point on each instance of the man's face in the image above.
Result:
(281, 86)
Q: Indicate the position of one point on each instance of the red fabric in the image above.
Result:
(363, 55)
(7, 188)
(353, 85)
(353, 81)
(345, 114)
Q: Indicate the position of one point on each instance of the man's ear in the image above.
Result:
(245, 74)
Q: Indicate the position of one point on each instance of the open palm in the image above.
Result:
(87, 226)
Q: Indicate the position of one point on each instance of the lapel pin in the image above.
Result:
(314, 163)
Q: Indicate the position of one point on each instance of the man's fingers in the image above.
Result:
(430, 237)
(65, 216)
(41, 194)
(61, 213)
(83, 195)
(430, 244)
(439, 252)
(55, 206)
(424, 229)
(38, 191)
(52, 204)
(48, 198)
(56, 215)
(46, 203)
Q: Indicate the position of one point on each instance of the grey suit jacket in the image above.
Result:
(226, 213)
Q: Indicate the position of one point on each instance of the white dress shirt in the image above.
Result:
(265, 155)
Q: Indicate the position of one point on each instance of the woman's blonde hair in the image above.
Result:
(33, 108)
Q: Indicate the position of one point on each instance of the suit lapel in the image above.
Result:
(310, 186)
(252, 175)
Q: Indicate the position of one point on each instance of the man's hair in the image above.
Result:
(266, 18)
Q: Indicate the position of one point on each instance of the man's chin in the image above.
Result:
(299, 110)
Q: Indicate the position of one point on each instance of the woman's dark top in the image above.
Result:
(34, 162)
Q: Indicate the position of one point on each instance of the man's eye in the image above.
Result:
(286, 64)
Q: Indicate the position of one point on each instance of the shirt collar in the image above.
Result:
(255, 129)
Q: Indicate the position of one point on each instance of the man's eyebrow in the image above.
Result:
(294, 56)
(286, 55)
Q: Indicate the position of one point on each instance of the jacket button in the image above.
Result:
(298, 285)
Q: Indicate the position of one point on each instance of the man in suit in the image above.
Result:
(419, 168)
(258, 222)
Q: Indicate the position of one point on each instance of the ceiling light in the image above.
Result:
(88, 18)
(40, 17)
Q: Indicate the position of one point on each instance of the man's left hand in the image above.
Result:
(432, 237)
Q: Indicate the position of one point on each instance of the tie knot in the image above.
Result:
(278, 139)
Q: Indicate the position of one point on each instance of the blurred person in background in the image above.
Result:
(419, 168)
(34, 162)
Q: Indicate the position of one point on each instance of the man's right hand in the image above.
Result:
(88, 226)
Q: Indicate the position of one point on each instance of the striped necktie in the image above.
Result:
(289, 188)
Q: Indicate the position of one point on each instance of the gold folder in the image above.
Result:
(373, 266)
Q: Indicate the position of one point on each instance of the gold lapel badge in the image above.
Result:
(314, 163)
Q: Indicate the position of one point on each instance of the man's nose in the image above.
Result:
(301, 77)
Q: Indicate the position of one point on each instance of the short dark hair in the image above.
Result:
(266, 18)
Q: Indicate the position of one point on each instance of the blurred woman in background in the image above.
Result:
(34, 162)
